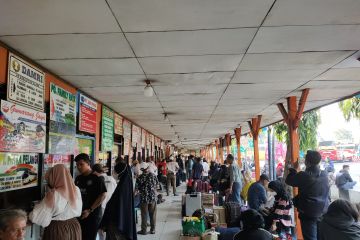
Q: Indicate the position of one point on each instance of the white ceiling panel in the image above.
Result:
(306, 38)
(172, 104)
(293, 61)
(314, 12)
(164, 15)
(107, 81)
(281, 76)
(191, 78)
(47, 17)
(190, 89)
(341, 74)
(341, 85)
(190, 64)
(223, 41)
(101, 91)
(350, 62)
(92, 66)
(65, 46)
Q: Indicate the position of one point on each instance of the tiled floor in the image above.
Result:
(168, 225)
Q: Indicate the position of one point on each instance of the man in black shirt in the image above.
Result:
(93, 193)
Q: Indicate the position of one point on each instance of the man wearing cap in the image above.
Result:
(257, 192)
(312, 200)
(146, 184)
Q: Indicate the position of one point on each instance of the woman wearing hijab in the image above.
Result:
(340, 222)
(59, 208)
(280, 214)
(119, 217)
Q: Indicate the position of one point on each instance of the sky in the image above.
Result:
(332, 119)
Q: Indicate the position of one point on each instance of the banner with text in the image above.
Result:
(107, 133)
(127, 136)
(118, 129)
(87, 114)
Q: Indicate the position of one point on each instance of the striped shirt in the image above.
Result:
(282, 212)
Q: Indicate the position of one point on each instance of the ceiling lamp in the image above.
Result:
(148, 90)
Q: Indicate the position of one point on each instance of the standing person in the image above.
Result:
(340, 222)
(206, 167)
(280, 214)
(224, 183)
(119, 217)
(110, 185)
(189, 166)
(253, 227)
(12, 224)
(256, 195)
(248, 181)
(197, 169)
(146, 184)
(235, 179)
(172, 169)
(59, 208)
(162, 172)
(313, 197)
(93, 193)
(344, 182)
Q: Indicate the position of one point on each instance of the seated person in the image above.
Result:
(253, 224)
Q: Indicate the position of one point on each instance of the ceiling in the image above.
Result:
(213, 64)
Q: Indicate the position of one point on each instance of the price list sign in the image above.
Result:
(107, 137)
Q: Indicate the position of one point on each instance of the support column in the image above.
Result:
(254, 126)
(238, 136)
(221, 151)
(292, 118)
(228, 143)
(217, 151)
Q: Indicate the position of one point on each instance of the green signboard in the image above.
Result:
(107, 126)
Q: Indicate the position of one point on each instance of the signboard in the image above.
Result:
(148, 142)
(136, 136)
(143, 138)
(107, 133)
(18, 171)
(152, 139)
(118, 128)
(62, 121)
(87, 114)
(26, 84)
(127, 136)
(84, 145)
(21, 129)
(51, 160)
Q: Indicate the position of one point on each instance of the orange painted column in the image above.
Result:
(228, 143)
(254, 126)
(217, 151)
(221, 151)
(238, 136)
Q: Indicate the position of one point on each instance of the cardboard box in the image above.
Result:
(220, 211)
(207, 200)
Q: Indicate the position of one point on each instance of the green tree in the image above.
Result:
(350, 108)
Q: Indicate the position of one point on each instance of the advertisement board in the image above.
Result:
(143, 138)
(118, 124)
(18, 171)
(62, 121)
(136, 135)
(87, 114)
(21, 129)
(26, 83)
(107, 126)
(127, 136)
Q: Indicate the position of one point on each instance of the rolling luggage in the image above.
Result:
(202, 186)
(233, 212)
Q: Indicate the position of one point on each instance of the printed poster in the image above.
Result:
(148, 142)
(62, 121)
(18, 171)
(136, 135)
(21, 129)
(127, 136)
(143, 138)
(26, 83)
(51, 160)
(107, 133)
(118, 128)
(87, 114)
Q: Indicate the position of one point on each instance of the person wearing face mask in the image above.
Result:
(279, 219)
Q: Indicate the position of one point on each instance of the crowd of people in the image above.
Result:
(95, 204)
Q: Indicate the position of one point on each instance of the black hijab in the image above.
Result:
(279, 188)
(119, 210)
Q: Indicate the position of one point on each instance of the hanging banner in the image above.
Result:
(162, 145)
(107, 133)
(87, 114)
(21, 129)
(152, 145)
(148, 142)
(62, 121)
(118, 128)
(18, 171)
(26, 83)
(143, 138)
(127, 136)
(136, 136)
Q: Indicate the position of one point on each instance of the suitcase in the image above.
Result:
(201, 186)
(232, 213)
(192, 203)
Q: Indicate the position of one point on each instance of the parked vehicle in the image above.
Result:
(328, 150)
(346, 152)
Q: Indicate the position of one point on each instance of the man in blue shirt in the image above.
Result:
(197, 169)
(257, 192)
